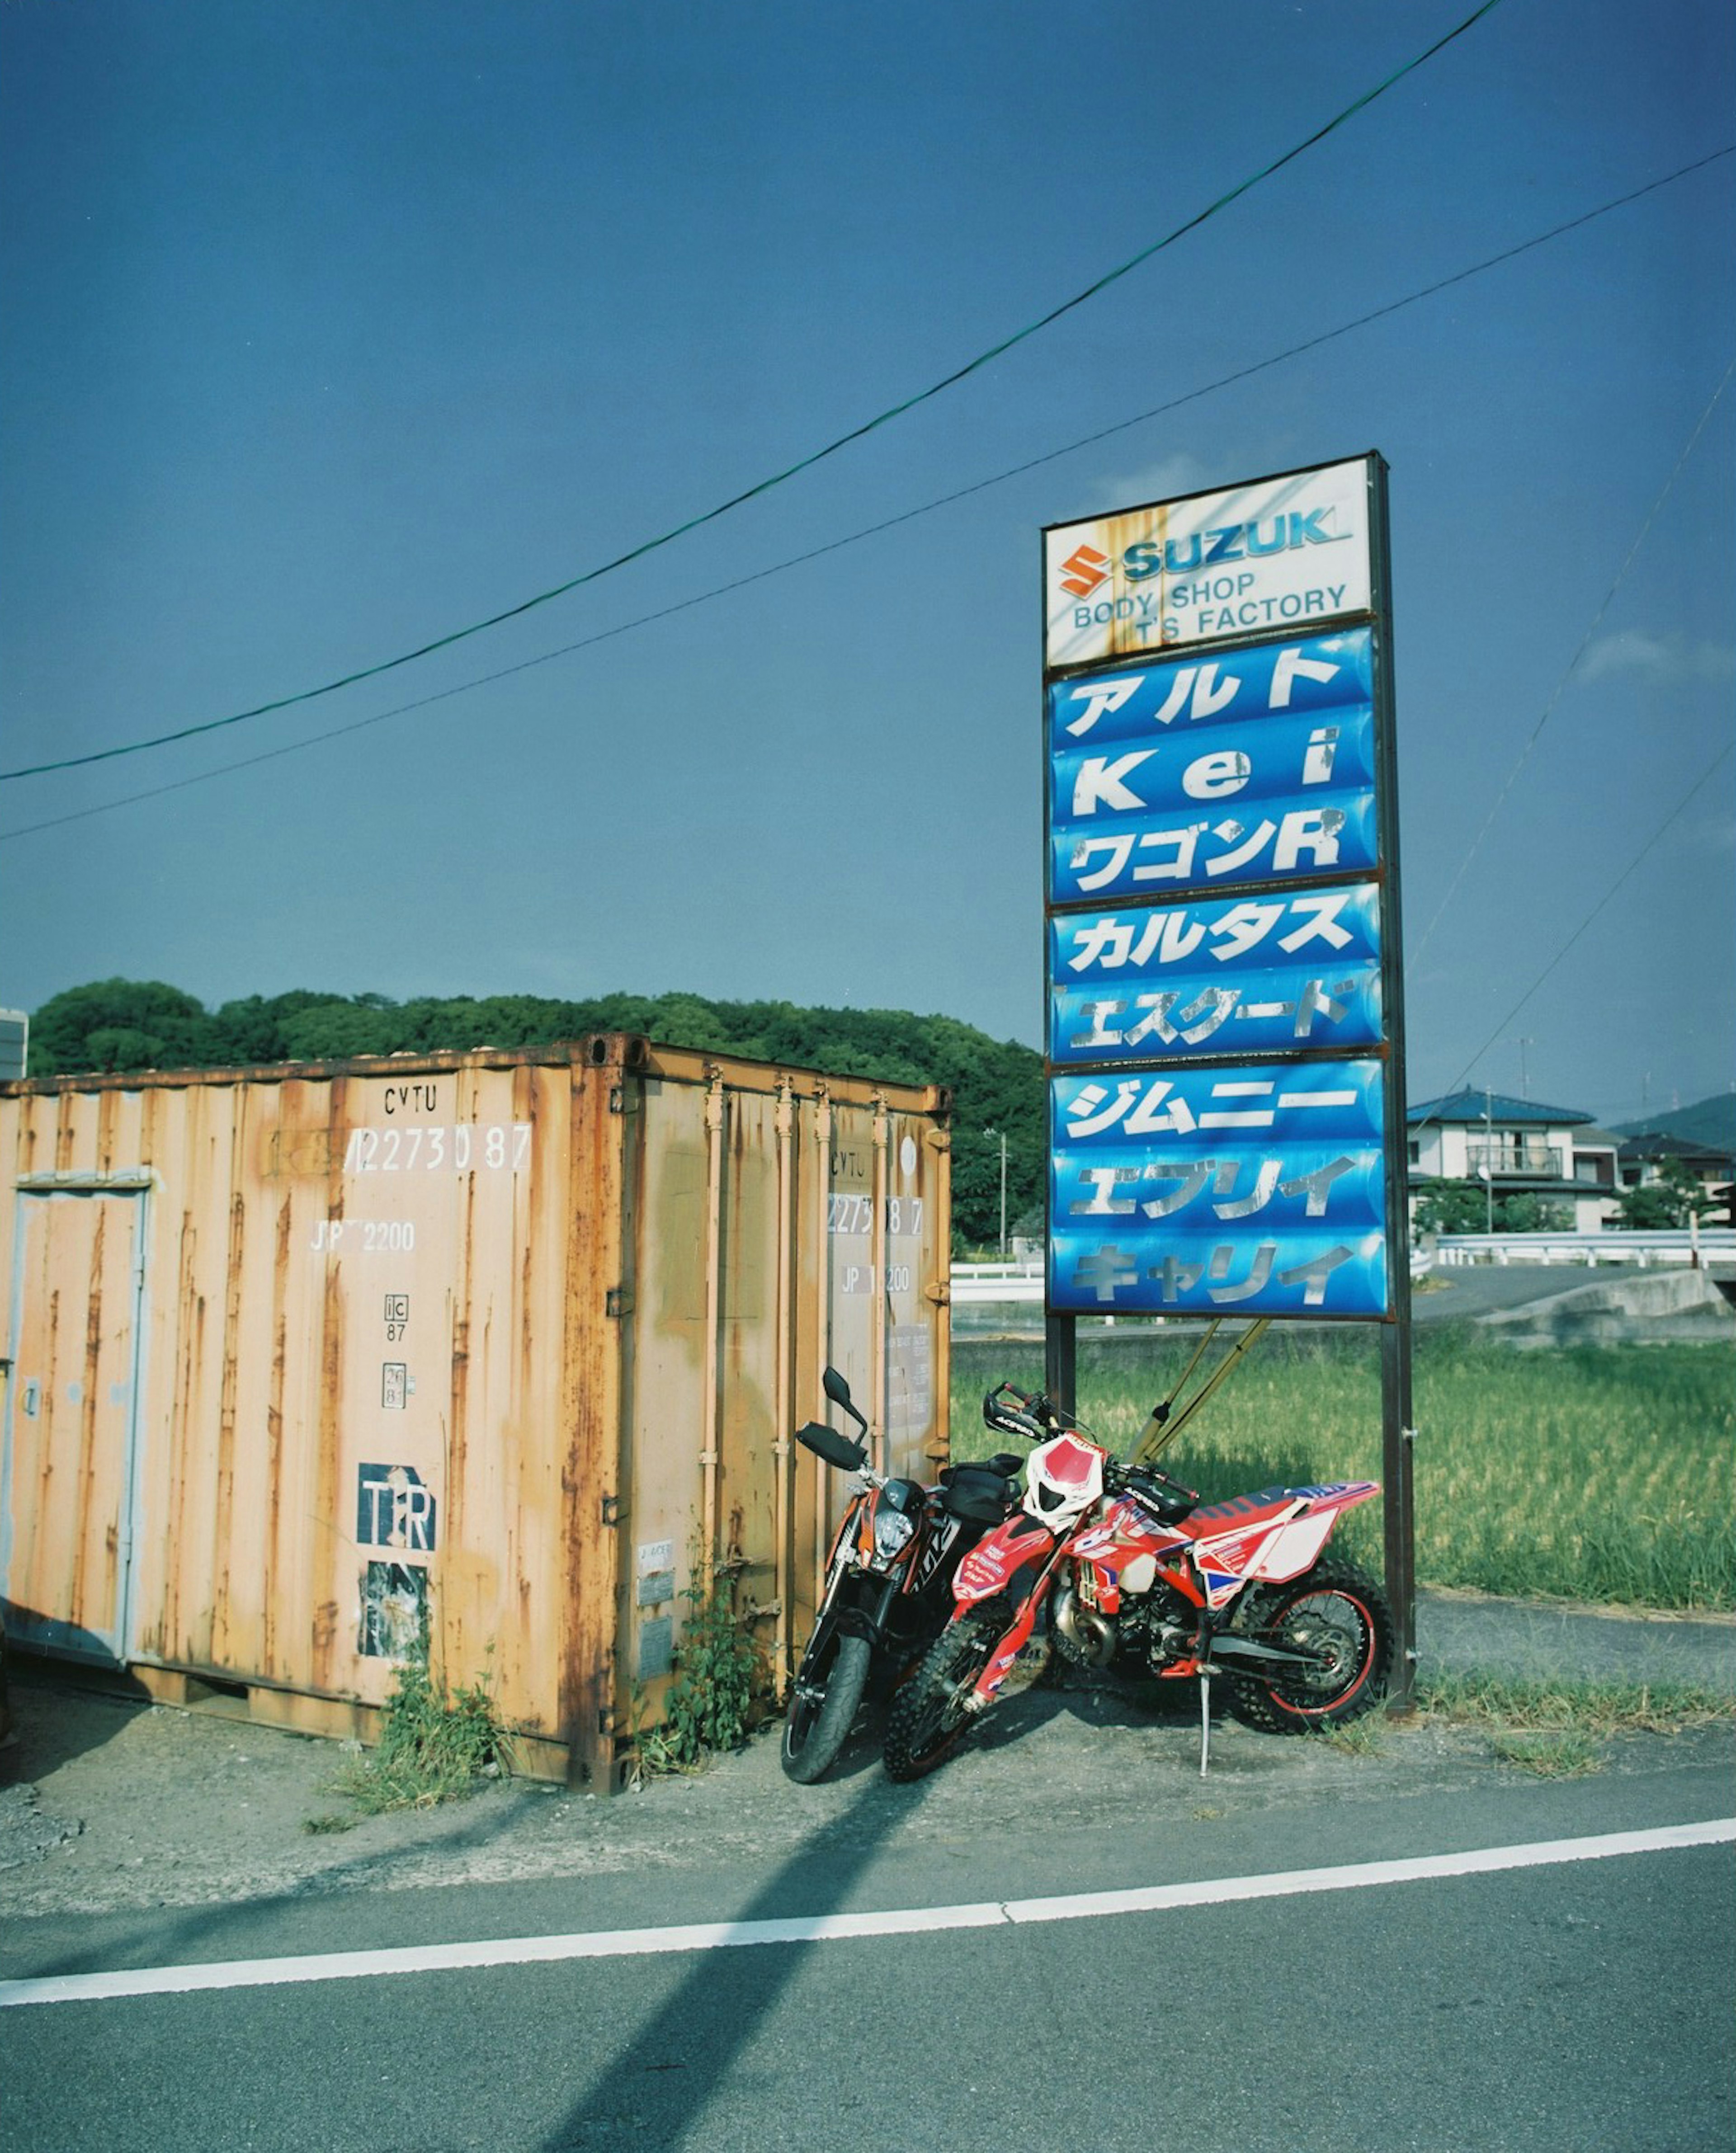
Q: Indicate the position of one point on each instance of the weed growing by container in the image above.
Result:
(434, 1747)
(706, 1709)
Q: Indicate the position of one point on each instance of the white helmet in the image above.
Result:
(1063, 1477)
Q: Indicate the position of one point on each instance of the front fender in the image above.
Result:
(1008, 1560)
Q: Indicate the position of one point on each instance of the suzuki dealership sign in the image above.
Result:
(1277, 553)
(1225, 1095)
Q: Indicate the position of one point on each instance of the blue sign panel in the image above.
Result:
(1266, 1014)
(1256, 974)
(1263, 759)
(1314, 673)
(1201, 1187)
(1298, 1274)
(1336, 1102)
(1333, 834)
(1259, 1187)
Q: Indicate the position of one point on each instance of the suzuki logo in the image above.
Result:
(1082, 573)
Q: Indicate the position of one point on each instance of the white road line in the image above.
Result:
(835, 1928)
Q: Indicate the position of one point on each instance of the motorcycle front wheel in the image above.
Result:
(823, 1705)
(928, 1717)
(1338, 1613)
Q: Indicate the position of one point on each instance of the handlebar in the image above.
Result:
(1030, 1415)
(1119, 1479)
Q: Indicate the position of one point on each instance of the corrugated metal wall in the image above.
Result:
(508, 1343)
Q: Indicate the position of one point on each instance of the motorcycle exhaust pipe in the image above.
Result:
(1091, 1638)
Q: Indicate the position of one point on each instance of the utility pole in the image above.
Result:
(1001, 1133)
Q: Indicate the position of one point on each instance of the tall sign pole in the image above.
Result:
(1224, 1029)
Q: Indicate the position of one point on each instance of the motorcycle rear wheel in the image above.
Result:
(1334, 1609)
(928, 1720)
(816, 1726)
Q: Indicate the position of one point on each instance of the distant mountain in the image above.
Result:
(1711, 1122)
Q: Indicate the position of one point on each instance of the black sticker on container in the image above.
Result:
(395, 1610)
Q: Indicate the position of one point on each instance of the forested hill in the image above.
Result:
(1711, 1122)
(997, 1086)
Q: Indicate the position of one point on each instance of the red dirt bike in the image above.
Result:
(888, 1579)
(1125, 1563)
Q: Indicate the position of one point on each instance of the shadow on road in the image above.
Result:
(659, 2081)
(656, 2086)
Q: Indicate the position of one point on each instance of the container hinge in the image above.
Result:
(617, 1098)
(611, 1509)
(606, 1720)
(618, 1300)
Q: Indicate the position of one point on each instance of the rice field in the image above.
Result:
(1604, 1473)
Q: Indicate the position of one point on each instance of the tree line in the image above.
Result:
(997, 1086)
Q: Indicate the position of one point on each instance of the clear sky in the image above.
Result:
(332, 326)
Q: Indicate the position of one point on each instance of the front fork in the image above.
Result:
(1016, 1636)
(858, 1604)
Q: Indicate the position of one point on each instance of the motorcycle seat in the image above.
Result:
(1242, 1510)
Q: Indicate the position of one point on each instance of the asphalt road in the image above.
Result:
(1577, 2003)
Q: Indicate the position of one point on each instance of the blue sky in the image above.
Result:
(334, 327)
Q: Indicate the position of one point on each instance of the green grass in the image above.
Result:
(1555, 1729)
(433, 1748)
(1605, 1473)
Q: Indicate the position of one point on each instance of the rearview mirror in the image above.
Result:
(839, 1391)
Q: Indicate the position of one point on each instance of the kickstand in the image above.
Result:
(1205, 1719)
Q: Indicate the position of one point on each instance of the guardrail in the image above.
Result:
(1703, 1246)
(1012, 1282)
(1679, 1244)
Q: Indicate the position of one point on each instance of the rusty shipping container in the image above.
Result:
(509, 1342)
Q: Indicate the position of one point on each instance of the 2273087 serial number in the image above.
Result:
(495, 1146)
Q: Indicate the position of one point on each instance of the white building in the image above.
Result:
(1516, 1147)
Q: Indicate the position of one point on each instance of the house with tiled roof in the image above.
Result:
(1642, 1158)
(1516, 1147)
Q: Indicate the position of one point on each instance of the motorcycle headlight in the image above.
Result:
(893, 1530)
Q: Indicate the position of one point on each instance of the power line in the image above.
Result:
(1573, 664)
(891, 522)
(1602, 905)
(807, 463)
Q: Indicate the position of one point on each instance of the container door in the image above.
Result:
(65, 1484)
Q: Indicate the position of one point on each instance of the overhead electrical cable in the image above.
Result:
(1573, 664)
(1601, 906)
(887, 523)
(1705, 777)
(807, 463)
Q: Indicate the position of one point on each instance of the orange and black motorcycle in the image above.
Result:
(887, 1591)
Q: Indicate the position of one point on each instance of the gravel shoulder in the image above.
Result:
(108, 1805)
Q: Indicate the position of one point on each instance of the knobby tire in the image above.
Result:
(928, 1720)
(1334, 1607)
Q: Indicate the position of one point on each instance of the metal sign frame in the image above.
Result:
(1227, 664)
